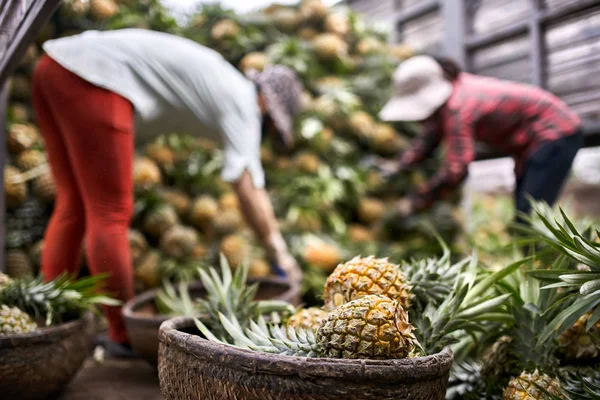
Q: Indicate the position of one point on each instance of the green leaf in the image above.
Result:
(488, 282)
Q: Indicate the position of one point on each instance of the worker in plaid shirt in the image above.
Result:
(533, 126)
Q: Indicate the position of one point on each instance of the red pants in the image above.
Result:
(88, 135)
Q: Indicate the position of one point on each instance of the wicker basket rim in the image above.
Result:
(390, 371)
(131, 306)
(46, 335)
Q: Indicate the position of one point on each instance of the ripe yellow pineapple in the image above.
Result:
(204, 210)
(525, 387)
(322, 255)
(255, 60)
(313, 11)
(307, 318)
(44, 187)
(199, 252)
(14, 321)
(307, 162)
(307, 33)
(22, 137)
(329, 47)
(369, 45)
(228, 221)
(236, 249)
(161, 154)
(578, 344)
(159, 220)
(16, 193)
(371, 210)
(385, 140)
(372, 327)
(338, 24)
(179, 242)
(361, 124)
(285, 19)
(75, 8)
(138, 245)
(229, 201)
(18, 264)
(149, 270)
(29, 159)
(359, 233)
(146, 174)
(401, 51)
(176, 198)
(366, 276)
(259, 268)
(225, 29)
(103, 9)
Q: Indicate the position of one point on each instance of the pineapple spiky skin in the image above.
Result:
(103, 9)
(228, 222)
(16, 193)
(313, 11)
(329, 47)
(178, 199)
(225, 29)
(366, 276)
(361, 124)
(137, 244)
(146, 174)
(498, 362)
(22, 136)
(579, 345)
(285, 19)
(236, 250)
(161, 154)
(203, 212)
(525, 387)
(29, 159)
(13, 321)
(371, 327)
(179, 242)
(44, 187)
(338, 24)
(371, 210)
(160, 220)
(307, 318)
(149, 270)
(18, 264)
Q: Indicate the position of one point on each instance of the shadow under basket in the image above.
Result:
(38, 365)
(193, 368)
(143, 321)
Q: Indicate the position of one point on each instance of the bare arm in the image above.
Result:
(259, 214)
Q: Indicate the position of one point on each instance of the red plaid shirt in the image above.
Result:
(509, 117)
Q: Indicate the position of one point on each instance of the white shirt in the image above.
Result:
(175, 85)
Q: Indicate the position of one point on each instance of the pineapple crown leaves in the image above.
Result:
(581, 383)
(58, 299)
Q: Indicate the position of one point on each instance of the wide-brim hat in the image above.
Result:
(281, 91)
(419, 90)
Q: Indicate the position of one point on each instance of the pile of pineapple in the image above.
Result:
(330, 202)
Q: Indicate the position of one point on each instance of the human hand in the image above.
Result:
(279, 254)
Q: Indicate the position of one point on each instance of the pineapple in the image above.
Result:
(361, 124)
(146, 174)
(160, 220)
(176, 198)
(359, 233)
(149, 270)
(579, 344)
(401, 51)
(18, 264)
(285, 19)
(29, 159)
(236, 249)
(228, 222)
(329, 47)
(161, 154)
(266, 156)
(283, 163)
(103, 9)
(229, 201)
(307, 222)
(307, 162)
(307, 33)
(527, 387)
(385, 140)
(313, 11)
(371, 210)
(179, 242)
(338, 24)
(18, 112)
(204, 210)
(254, 61)
(374, 327)
(366, 276)
(138, 245)
(14, 321)
(16, 193)
(369, 45)
(322, 255)
(307, 318)
(44, 187)
(75, 8)
(35, 254)
(259, 268)
(4, 280)
(498, 360)
(225, 29)
(22, 137)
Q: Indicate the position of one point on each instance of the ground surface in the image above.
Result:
(115, 379)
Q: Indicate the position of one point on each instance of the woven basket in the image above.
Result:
(38, 365)
(142, 320)
(193, 368)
